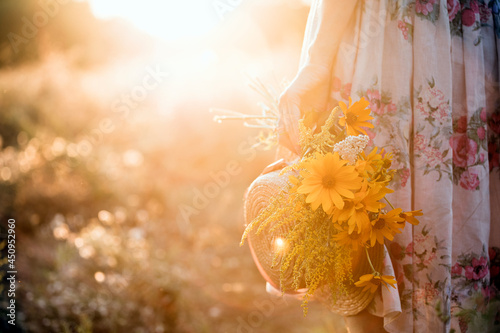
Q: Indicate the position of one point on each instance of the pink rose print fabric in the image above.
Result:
(429, 69)
(424, 7)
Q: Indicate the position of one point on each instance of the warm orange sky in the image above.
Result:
(170, 19)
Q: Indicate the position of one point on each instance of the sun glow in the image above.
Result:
(169, 20)
(279, 245)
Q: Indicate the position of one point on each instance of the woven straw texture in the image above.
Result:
(263, 247)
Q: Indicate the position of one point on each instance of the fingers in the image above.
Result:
(278, 165)
(309, 91)
(289, 122)
(293, 126)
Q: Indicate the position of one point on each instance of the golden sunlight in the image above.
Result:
(169, 20)
(279, 245)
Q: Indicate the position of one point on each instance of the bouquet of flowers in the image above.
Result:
(334, 207)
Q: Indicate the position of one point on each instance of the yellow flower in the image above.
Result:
(372, 281)
(327, 180)
(376, 166)
(368, 162)
(409, 216)
(354, 212)
(352, 240)
(294, 183)
(355, 116)
(386, 225)
(371, 200)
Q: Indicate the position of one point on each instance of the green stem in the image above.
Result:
(337, 128)
(389, 203)
(369, 261)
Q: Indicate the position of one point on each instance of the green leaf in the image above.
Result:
(484, 144)
(425, 232)
(432, 83)
(408, 272)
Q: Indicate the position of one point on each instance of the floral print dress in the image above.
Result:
(430, 69)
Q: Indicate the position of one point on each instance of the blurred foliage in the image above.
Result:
(102, 241)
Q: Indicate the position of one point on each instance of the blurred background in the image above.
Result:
(127, 196)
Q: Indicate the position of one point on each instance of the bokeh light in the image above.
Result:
(107, 147)
(99, 277)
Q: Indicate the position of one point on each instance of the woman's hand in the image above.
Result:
(309, 91)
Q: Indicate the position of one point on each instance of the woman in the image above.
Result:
(430, 70)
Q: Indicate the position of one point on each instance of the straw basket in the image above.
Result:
(263, 249)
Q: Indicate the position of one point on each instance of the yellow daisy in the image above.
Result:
(409, 216)
(354, 212)
(372, 281)
(376, 166)
(327, 180)
(368, 163)
(355, 116)
(386, 225)
(372, 199)
(352, 240)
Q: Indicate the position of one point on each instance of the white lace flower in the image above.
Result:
(350, 147)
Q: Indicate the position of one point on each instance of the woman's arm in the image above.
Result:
(334, 18)
(310, 89)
